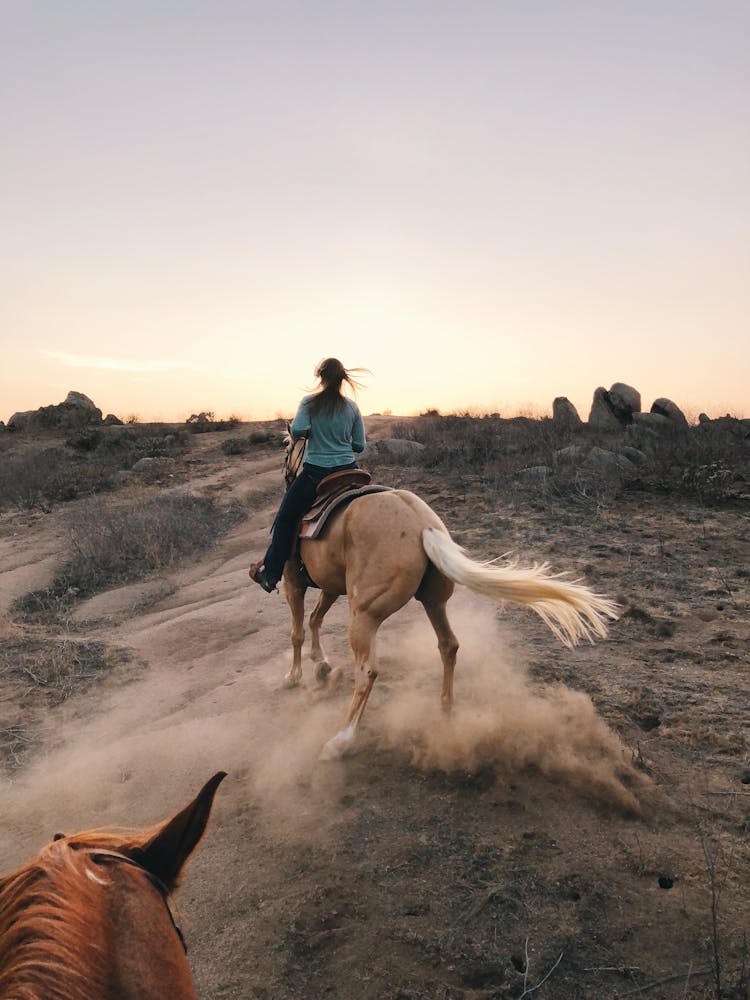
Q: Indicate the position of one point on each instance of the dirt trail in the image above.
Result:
(420, 866)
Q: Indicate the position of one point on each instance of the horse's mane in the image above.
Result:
(49, 944)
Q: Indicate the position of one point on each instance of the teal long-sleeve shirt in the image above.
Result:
(332, 437)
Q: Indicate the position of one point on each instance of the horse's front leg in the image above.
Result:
(319, 658)
(295, 595)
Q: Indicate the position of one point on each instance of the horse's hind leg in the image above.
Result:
(448, 646)
(362, 631)
(319, 658)
(434, 592)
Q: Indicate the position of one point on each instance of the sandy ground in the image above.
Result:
(563, 823)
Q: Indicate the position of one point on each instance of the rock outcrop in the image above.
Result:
(602, 415)
(565, 415)
(76, 410)
(675, 416)
(625, 401)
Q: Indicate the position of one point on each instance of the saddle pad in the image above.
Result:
(313, 522)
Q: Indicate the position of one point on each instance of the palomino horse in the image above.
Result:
(91, 916)
(381, 550)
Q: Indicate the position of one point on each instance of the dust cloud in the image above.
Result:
(501, 719)
(144, 749)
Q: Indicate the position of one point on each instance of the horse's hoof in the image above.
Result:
(322, 672)
(290, 681)
(336, 747)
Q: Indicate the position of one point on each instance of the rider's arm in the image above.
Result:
(358, 433)
(301, 424)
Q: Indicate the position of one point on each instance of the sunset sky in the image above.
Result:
(487, 204)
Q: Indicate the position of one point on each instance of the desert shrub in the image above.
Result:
(39, 673)
(237, 446)
(125, 445)
(203, 423)
(25, 479)
(465, 441)
(56, 668)
(84, 439)
(113, 545)
(41, 477)
(712, 468)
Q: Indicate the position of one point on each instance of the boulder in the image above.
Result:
(395, 450)
(625, 401)
(572, 454)
(652, 421)
(608, 464)
(636, 456)
(112, 421)
(602, 415)
(666, 408)
(80, 401)
(153, 467)
(565, 415)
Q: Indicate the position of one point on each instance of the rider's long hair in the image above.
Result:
(331, 375)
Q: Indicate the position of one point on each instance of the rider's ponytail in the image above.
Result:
(331, 374)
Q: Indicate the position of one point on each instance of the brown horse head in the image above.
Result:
(91, 916)
(294, 455)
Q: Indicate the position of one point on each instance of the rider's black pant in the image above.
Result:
(299, 497)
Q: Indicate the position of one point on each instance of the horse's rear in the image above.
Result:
(385, 548)
(373, 552)
(91, 916)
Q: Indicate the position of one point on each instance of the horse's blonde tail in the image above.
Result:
(572, 611)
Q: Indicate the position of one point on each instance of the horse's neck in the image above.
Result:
(148, 960)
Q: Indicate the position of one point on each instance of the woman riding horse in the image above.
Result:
(333, 426)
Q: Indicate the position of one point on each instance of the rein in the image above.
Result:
(101, 854)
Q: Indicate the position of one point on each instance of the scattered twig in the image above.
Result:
(36, 679)
(613, 968)
(531, 989)
(664, 982)
(687, 981)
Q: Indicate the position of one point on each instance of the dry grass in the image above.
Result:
(38, 674)
(37, 474)
(111, 545)
(712, 466)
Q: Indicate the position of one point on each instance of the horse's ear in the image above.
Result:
(168, 850)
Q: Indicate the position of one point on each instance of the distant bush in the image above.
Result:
(466, 442)
(240, 446)
(203, 423)
(711, 463)
(112, 545)
(38, 478)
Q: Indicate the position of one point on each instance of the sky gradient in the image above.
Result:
(487, 204)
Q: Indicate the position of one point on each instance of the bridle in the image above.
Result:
(101, 854)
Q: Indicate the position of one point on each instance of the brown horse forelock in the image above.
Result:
(53, 925)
